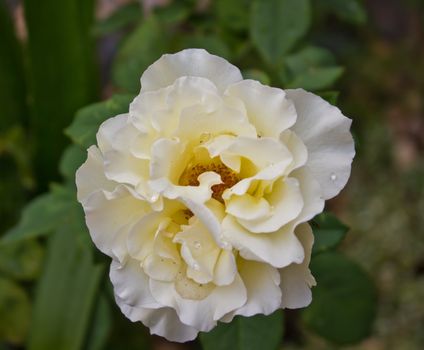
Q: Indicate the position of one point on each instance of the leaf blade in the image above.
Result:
(43, 214)
(246, 333)
(84, 127)
(277, 26)
(65, 295)
(344, 301)
(328, 231)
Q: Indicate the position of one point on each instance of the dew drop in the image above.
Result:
(225, 245)
(333, 177)
(196, 266)
(197, 244)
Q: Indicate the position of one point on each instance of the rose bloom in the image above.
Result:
(201, 194)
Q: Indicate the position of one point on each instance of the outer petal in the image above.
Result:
(131, 284)
(116, 139)
(325, 132)
(163, 322)
(108, 130)
(296, 279)
(311, 194)
(132, 294)
(202, 314)
(110, 216)
(190, 62)
(268, 108)
(90, 176)
(263, 290)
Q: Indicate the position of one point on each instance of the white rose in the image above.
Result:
(201, 193)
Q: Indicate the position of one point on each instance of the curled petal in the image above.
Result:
(133, 296)
(268, 108)
(285, 204)
(202, 313)
(131, 284)
(280, 248)
(90, 176)
(163, 322)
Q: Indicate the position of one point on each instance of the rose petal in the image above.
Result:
(202, 314)
(163, 322)
(90, 177)
(325, 131)
(190, 62)
(110, 217)
(296, 147)
(279, 248)
(131, 284)
(313, 203)
(267, 107)
(132, 294)
(116, 138)
(286, 203)
(296, 279)
(263, 291)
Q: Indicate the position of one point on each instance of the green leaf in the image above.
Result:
(83, 129)
(233, 14)
(312, 68)
(344, 300)
(101, 325)
(173, 13)
(122, 17)
(257, 74)
(328, 232)
(309, 56)
(66, 294)
(21, 260)
(246, 333)
(140, 49)
(277, 26)
(351, 11)
(15, 312)
(330, 96)
(44, 214)
(71, 160)
(212, 43)
(317, 78)
(62, 74)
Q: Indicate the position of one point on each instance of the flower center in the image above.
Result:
(228, 177)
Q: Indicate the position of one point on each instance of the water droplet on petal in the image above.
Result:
(333, 177)
(196, 266)
(197, 244)
(225, 245)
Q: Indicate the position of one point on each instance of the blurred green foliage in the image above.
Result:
(54, 290)
(62, 76)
